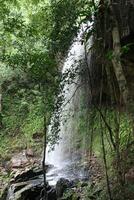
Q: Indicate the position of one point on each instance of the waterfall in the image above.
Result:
(63, 158)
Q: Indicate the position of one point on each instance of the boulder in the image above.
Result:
(129, 176)
(52, 194)
(29, 153)
(4, 192)
(28, 185)
(61, 186)
(19, 161)
(26, 175)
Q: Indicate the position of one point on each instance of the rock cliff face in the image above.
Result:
(123, 11)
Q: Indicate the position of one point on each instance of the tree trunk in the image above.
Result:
(105, 160)
(91, 142)
(44, 159)
(117, 64)
(1, 125)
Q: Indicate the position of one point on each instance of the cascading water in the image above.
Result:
(64, 158)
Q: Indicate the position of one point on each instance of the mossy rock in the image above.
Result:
(75, 197)
(3, 193)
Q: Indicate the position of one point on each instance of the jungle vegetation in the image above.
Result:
(35, 37)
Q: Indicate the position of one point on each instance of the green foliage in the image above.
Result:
(29, 72)
(91, 192)
(23, 112)
(125, 49)
(34, 122)
(68, 194)
(109, 55)
(67, 16)
(64, 16)
(125, 131)
(32, 33)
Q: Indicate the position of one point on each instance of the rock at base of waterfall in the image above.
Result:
(52, 194)
(27, 174)
(61, 186)
(4, 192)
(28, 185)
(19, 161)
(23, 159)
(29, 153)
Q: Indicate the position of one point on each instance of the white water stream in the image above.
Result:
(63, 158)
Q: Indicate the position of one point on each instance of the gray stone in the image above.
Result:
(29, 153)
(19, 160)
(61, 186)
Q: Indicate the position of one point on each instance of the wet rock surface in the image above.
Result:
(29, 185)
(19, 169)
(61, 186)
(23, 159)
(27, 181)
(18, 164)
